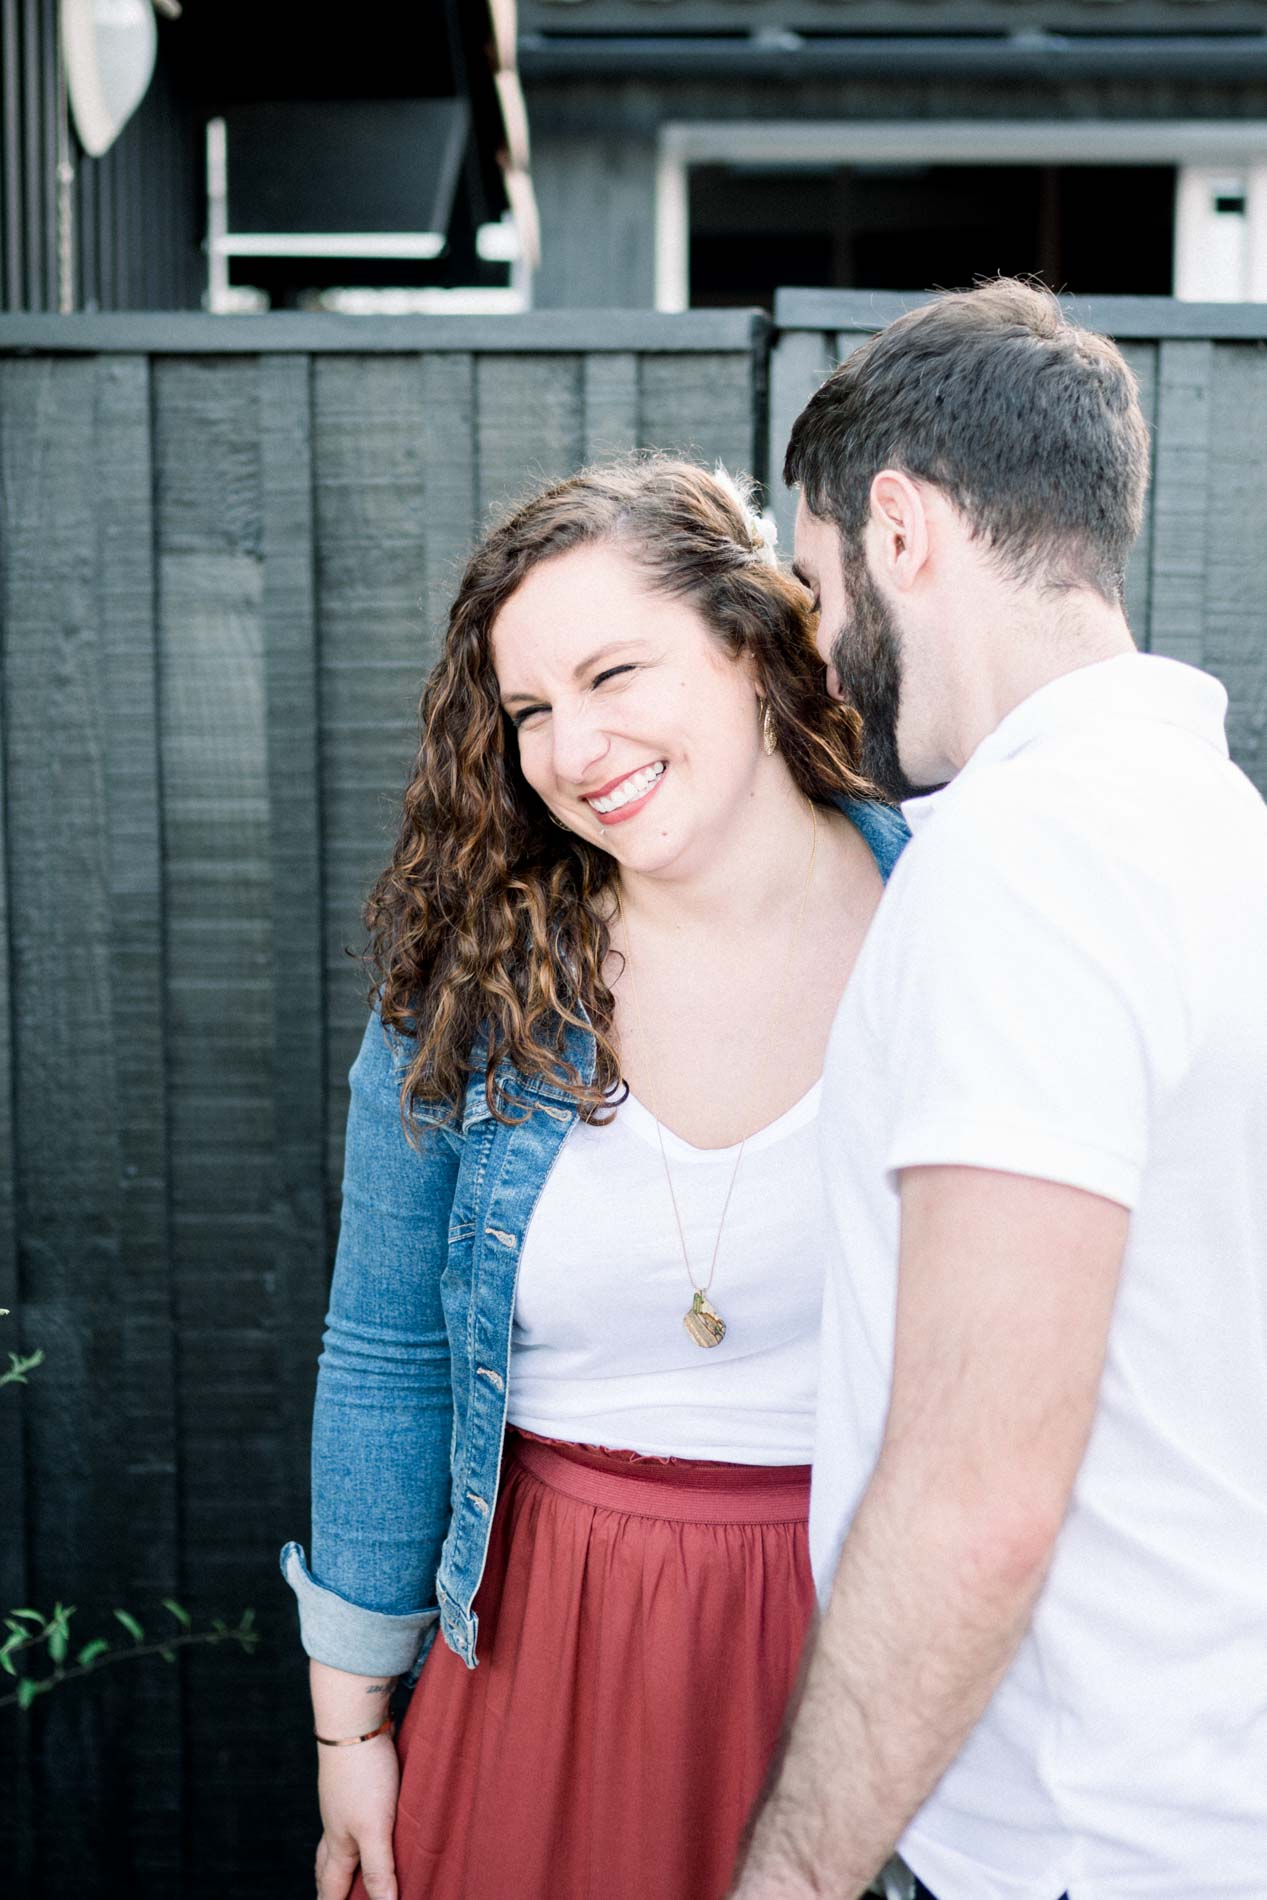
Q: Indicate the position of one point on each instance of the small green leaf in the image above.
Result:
(6, 1664)
(248, 1617)
(33, 1615)
(178, 1611)
(168, 1655)
(131, 1625)
(90, 1652)
(27, 1692)
(58, 1645)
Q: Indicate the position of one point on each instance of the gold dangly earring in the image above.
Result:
(769, 737)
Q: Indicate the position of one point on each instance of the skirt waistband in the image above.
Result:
(683, 1491)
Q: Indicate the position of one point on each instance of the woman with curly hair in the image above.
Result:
(566, 1397)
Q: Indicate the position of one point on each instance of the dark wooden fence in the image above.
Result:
(226, 550)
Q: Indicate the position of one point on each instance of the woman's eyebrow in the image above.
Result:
(580, 669)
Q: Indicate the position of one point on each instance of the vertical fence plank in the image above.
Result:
(1236, 569)
(370, 500)
(609, 400)
(297, 1281)
(149, 1519)
(799, 364)
(15, 1754)
(700, 406)
(529, 424)
(65, 1064)
(294, 799)
(218, 878)
(1180, 496)
(450, 499)
(1142, 358)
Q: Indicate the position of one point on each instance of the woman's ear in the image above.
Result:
(898, 527)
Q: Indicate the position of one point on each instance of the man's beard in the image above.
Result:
(867, 659)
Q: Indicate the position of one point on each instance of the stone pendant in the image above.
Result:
(704, 1323)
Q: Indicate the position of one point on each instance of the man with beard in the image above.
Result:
(1039, 1518)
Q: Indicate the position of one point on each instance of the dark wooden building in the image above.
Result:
(708, 151)
(353, 157)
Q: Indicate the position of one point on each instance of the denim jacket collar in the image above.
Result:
(535, 1090)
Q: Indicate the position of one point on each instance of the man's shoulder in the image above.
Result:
(1096, 792)
(1030, 844)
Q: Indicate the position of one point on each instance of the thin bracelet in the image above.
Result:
(350, 1741)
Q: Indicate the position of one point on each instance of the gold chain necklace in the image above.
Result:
(702, 1320)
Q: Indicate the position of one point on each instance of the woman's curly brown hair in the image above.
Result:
(490, 920)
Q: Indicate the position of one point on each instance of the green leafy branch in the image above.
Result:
(29, 1630)
(18, 1366)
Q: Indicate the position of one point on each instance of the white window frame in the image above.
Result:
(1201, 150)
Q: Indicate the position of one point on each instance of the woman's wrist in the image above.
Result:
(345, 1705)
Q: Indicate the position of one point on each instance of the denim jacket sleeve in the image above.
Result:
(384, 1409)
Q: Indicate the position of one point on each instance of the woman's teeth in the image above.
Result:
(629, 789)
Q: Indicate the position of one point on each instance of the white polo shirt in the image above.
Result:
(1067, 978)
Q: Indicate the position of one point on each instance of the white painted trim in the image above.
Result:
(672, 234)
(1256, 233)
(1221, 257)
(804, 144)
(219, 296)
(425, 244)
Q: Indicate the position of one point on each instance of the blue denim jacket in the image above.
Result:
(411, 1388)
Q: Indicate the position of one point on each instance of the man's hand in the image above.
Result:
(1006, 1290)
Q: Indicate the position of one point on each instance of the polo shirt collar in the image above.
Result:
(1129, 686)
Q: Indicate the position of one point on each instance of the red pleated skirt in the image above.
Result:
(641, 1622)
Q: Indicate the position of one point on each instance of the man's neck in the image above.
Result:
(1025, 651)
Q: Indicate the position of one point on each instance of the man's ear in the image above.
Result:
(898, 528)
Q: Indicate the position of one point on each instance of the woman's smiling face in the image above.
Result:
(635, 726)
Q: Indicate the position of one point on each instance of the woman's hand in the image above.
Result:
(357, 1789)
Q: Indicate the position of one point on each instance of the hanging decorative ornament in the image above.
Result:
(703, 1322)
(109, 48)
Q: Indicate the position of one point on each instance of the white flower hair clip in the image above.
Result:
(763, 530)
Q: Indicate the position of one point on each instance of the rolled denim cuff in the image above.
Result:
(348, 1636)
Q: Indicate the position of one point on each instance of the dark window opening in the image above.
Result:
(1089, 229)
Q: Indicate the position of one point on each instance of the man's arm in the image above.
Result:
(1006, 1289)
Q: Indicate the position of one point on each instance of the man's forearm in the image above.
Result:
(929, 1604)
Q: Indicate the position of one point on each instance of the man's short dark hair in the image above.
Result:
(1029, 425)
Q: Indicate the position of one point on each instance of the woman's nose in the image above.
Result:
(579, 743)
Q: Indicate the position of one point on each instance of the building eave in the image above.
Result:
(1037, 56)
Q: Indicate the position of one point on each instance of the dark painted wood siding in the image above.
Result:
(226, 552)
(1197, 583)
(137, 212)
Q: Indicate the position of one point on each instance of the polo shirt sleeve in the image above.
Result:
(1039, 1012)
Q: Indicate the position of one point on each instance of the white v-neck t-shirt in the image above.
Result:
(599, 1354)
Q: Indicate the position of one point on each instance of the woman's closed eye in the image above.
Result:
(520, 719)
